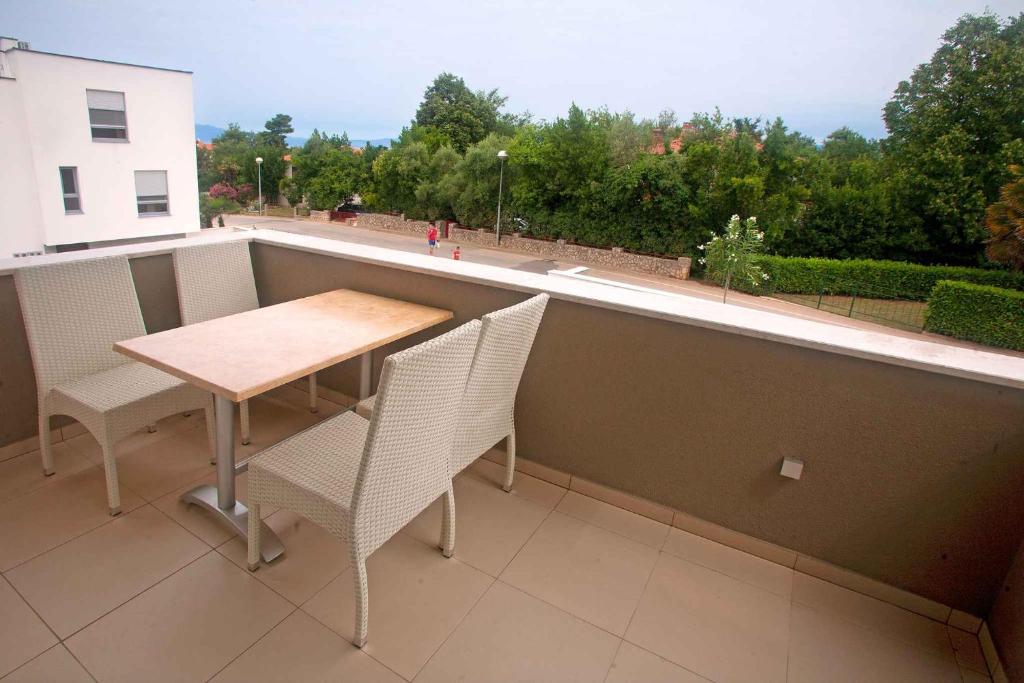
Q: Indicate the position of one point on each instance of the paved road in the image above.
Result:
(529, 262)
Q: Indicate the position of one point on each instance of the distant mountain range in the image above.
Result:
(207, 133)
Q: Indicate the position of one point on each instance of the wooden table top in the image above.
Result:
(243, 355)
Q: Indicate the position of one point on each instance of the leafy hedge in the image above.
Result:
(988, 315)
(873, 279)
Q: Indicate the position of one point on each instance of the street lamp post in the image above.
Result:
(501, 179)
(259, 173)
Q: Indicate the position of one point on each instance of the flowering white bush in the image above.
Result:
(734, 254)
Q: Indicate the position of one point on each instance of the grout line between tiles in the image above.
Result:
(125, 602)
(254, 643)
(108, 520)
(615, 656)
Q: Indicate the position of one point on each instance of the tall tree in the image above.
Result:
(460, 114)
(277, 130)
(953, 128)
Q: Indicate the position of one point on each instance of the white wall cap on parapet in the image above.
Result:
(920, 354)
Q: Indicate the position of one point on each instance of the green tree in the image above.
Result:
(951, 127)
(277, 130)
(341, 174)
(734, 254)
(458, 114)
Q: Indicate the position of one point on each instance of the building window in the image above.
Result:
(151, 192)
(69, 183)
(106, 115)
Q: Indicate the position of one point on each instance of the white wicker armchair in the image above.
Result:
(74, 313)
(364, 480)
(506, 338)
(214, 281)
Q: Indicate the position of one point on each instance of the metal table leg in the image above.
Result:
(221, 500)
(365, 373)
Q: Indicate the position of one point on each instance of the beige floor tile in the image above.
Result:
(24, 473)
(736, 563)
(188, 626)
(85, 444)
(312, 557)
(417, 598)
(872, 614)
(23, 635)
(826, 647)
(167, 464)
(968, 650)
(302, 649)
(636, 665)
(511, 636)
(524, 486)
(629, 524)
(87, 577)
(711, 623)
(43, 519)
(594, 574)
(198, 520)
(56, 665)
(490, 525)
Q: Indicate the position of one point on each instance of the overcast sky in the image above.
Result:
(361, 66)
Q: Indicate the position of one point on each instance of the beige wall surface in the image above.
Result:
(912, 478)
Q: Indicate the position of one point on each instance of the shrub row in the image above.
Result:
(988, 315)
(872, 279)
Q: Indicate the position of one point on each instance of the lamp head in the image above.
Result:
(259, 160)
(503, 155)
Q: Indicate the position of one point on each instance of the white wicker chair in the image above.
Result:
(506, 338)
(214, 281)
(74, 312)
(364, 480)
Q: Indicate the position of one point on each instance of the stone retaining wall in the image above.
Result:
(320, 216)
(613, 258)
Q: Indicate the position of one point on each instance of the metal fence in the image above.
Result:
(860, 302)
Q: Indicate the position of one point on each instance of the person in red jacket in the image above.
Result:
(431, 239)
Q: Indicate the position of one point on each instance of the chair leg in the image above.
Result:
(254, 536)
(362, 603)
(110, 469)
(312, 393)
(510, 461)
(211, 430)
(243, 412)
(45, 447)
(448, 522)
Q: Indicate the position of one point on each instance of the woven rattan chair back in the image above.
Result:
(74, 312)
(406, 459)
(214, 280)
(506, 337)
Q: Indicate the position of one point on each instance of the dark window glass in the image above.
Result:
(106, 117)
(109, 134)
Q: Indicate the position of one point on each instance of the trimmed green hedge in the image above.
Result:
(871, 279)
(988, 315)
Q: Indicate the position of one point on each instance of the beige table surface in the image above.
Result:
(240, 356)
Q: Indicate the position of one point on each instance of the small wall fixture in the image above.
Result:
(792, 468)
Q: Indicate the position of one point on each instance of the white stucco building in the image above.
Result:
(92, 152)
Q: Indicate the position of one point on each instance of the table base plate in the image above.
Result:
(237, 518)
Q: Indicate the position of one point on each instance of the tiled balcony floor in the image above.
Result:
(546, 585)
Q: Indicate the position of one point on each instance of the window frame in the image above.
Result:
(106, 126)
(152, 199)
(76, 195)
